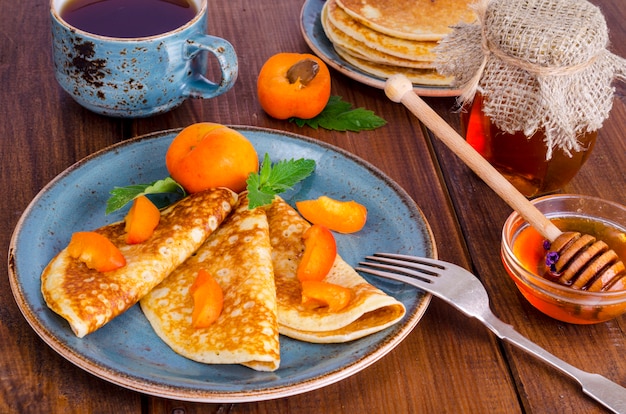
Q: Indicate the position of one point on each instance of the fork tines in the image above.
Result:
(419, 269)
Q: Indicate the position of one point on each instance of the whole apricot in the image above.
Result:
(293, 85)
(209, 155)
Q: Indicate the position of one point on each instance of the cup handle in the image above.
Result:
(200, 86)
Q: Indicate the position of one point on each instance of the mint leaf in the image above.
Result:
(120, 196)
(276, 179)
(339, 115)
(257, 195)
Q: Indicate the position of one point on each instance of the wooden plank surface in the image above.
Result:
(447, 364)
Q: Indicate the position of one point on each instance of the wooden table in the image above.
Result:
(449, 363)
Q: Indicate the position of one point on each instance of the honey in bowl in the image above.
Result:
(530, 247)
(523, 255)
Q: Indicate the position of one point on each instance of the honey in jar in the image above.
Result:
(521, 159)
(535, 85)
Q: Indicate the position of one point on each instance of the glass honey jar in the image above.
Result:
(535, 80)
(521, 159)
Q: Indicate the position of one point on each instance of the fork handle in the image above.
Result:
(606, 392)
(399, 88)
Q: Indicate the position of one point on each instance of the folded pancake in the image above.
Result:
(238, 257)
(88, 299)
(370, 310)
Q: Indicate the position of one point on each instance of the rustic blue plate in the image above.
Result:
(316, 39)
(127, 352)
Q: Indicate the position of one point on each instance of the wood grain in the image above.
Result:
(447, 364)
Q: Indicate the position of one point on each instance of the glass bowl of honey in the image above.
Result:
(523, 252)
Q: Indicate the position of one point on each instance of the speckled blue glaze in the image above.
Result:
(139, 77)
(127, 352)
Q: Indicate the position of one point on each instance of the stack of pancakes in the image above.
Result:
(385, 37)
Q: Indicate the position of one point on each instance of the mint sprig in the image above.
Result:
(275, 179)
(120, 196)
(339, 115)
(261, 186)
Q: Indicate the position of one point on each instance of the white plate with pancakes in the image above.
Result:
(353, 38)
(127, 352)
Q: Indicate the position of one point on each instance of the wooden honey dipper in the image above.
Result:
(582, 262)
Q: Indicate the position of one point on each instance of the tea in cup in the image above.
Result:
(137, 58)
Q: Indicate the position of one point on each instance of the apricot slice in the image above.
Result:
(208, 300)
(96, 251)
(317, 294)
(339, 216)
(320, 251)
(141, 220)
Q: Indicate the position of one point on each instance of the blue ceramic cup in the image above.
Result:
(140, 77)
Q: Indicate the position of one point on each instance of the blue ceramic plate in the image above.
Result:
(127, 352)
(311, 27)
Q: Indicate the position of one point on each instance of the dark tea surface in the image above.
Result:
(128, 18)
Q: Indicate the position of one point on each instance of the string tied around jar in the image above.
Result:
(539, 64)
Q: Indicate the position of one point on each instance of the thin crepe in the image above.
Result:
(88, 299)
(370, 310)
(238, 256)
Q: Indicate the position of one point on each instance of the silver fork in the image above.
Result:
(464, 291)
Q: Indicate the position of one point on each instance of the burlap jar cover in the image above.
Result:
(539, 64)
